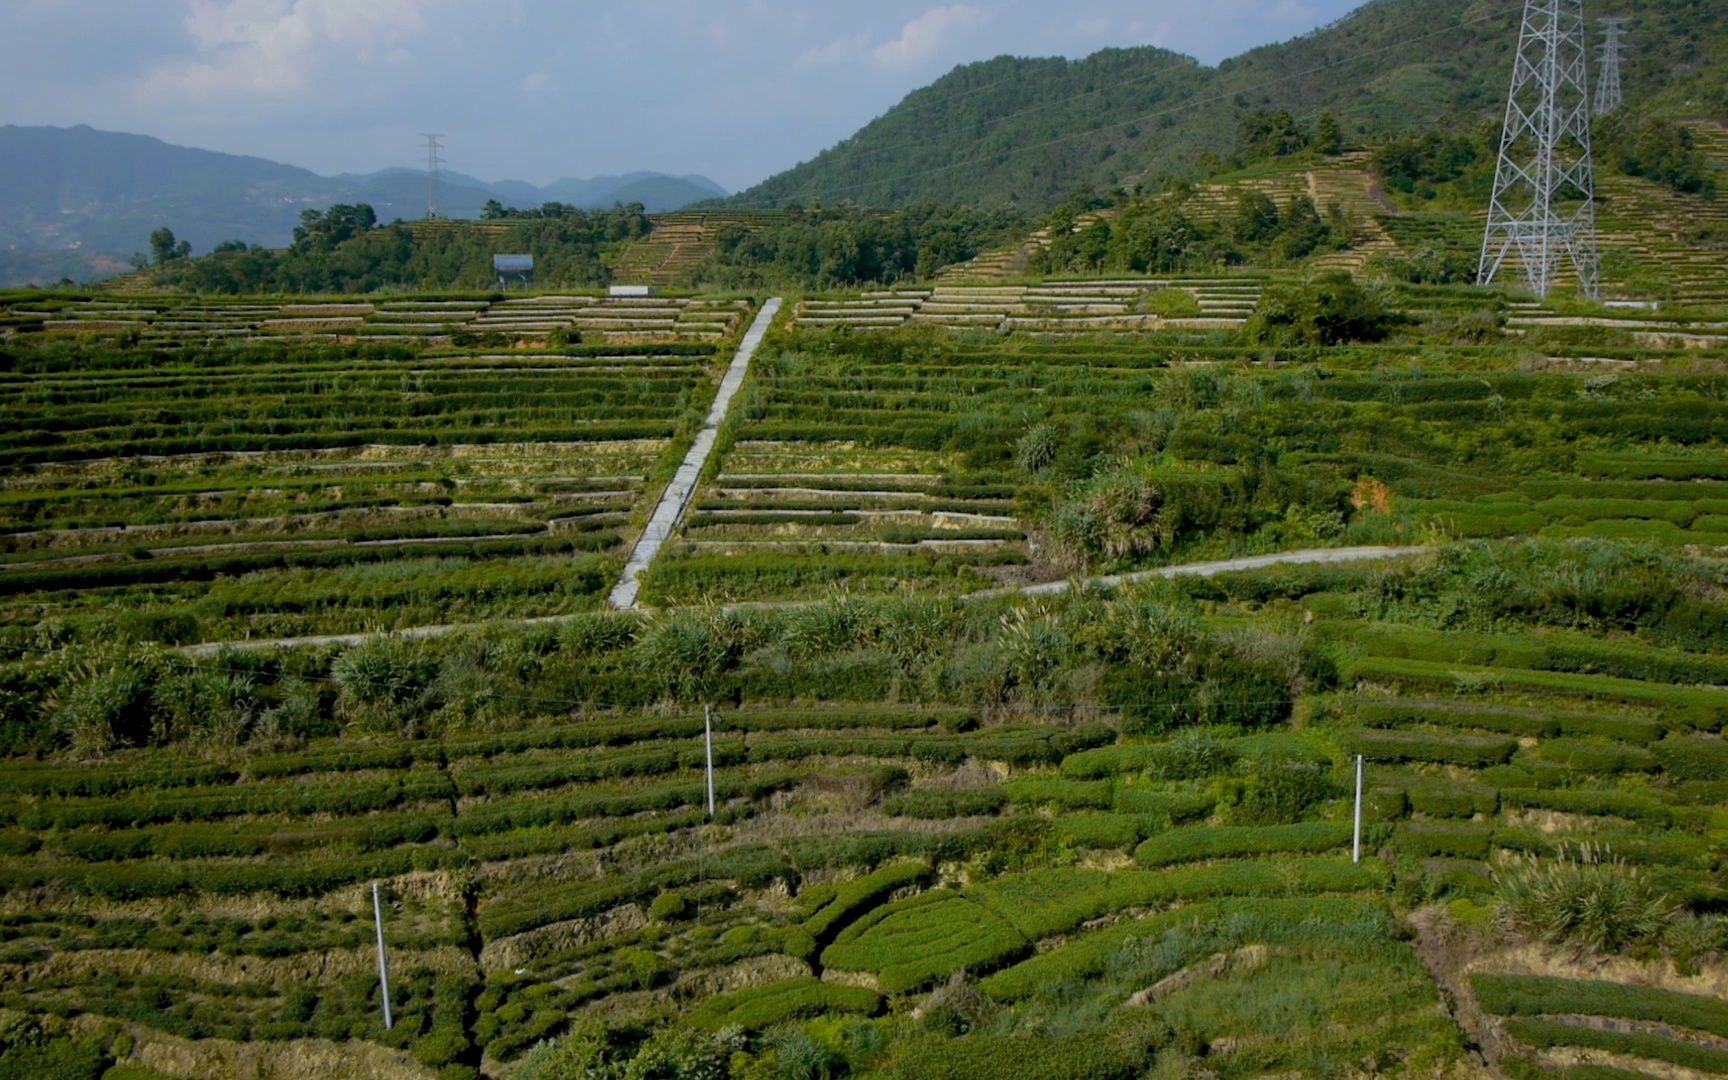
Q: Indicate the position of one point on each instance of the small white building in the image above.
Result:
(633, 291)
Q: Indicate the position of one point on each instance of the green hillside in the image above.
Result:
(1025, 133)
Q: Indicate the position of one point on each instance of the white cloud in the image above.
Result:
(535, 81)
(841, 51)
(925, 36)
(271, 47)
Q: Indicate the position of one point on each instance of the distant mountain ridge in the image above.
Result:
(663, 192)
(77, 201)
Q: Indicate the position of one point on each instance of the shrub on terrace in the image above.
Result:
(1121, 1051)
(1276, 792)
(108, 704)
(1217, 690)
(1139, 508)
(689, 652)
(1591, 902)
(1434, 264)
(1328, 310)
(591, 1050)
(1577, 584)
(1414, 163)
(1036, 450)
(384, 685)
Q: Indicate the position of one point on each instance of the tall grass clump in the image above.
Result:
(1590, 902)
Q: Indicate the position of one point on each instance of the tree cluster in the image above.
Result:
(345, 250)
(847, 245)
(1328, 310)
(1159, 234)
(1655, 149)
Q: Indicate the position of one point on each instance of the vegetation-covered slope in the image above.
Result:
(1015, 132)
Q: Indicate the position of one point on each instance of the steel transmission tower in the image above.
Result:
(434, 165)
(1543, 213)
(1608, 95)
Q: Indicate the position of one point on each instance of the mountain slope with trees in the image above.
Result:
(1026, 133)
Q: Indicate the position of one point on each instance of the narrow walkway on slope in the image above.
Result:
(1308, 557)
(1315, 556)
(664, 521)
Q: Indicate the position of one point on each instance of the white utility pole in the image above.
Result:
(708, 738)
(1356, 846)
(383, 965)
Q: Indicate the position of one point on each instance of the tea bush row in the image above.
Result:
(1547, 1034)
(764, 1006)
(351, 796)
(917, 941)
(1396, 746)
(1091, 953)
(1550, 996)
(1046, 902)
(1700, 708)
(526, 908)
(855, 896)
(1558, 653)
(1233, 841)
(1521, 723)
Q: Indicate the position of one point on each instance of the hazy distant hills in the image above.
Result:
(77, 202)
(657, 192)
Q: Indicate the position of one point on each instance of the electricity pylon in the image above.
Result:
(1544, 208)
(1608, 94)
(434, 171)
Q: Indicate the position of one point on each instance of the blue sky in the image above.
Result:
(538, 89)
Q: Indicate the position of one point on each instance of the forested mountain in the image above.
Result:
(79, 202)
(1026, 133)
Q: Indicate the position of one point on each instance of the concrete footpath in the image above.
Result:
(1314, 556)
(670, 510)
(1308, 557)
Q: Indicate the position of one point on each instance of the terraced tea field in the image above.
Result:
(900, 463)
(175, 320)
(237, 491)
(786, 518)
(1052, 307)
(1104, 833)
(1177, 881)
(680, 245)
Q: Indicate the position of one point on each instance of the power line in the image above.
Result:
(1174, 110)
